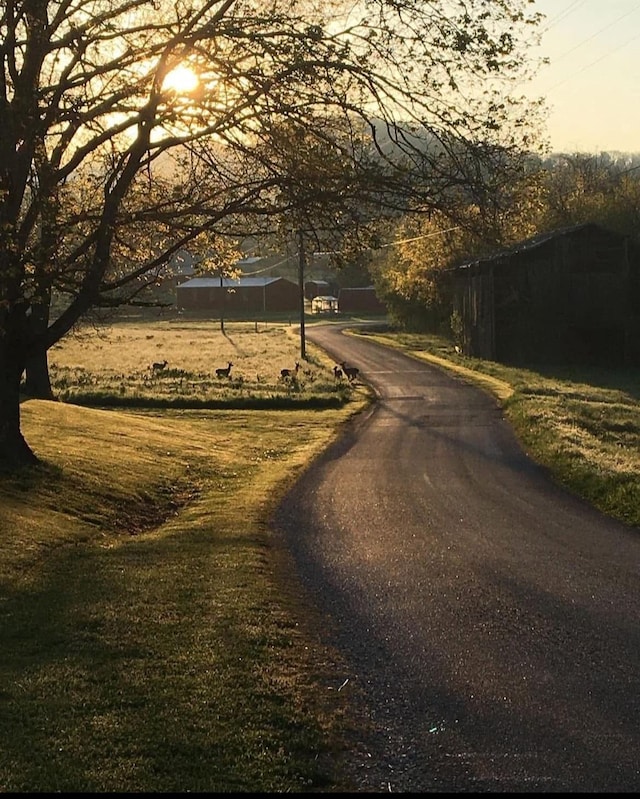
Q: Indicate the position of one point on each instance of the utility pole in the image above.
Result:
(301, 290)
(222, 299)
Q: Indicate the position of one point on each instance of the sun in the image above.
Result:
(181, 80)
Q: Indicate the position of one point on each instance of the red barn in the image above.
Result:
(243, 295)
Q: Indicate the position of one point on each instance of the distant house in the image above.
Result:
(360, 300)
(238, 296)
(569, 296)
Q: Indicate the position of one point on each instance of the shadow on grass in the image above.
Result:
(186, 403)
(133, 668)
(29, 478)
(625, 380)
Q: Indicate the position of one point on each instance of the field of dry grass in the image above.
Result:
(117, 362)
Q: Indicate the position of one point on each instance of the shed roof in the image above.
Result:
(214, 282)
(534, 241)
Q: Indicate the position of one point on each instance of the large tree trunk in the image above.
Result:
(37, 382)
(14, 450)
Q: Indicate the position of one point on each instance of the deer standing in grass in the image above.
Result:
(285, 374)
(224, 371)
(350, 371)
(158, 366)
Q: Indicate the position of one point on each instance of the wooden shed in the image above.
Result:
(360, 300)
(568, 296)
(315, 288)
(243, 295)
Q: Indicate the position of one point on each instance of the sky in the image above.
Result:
(592, 85)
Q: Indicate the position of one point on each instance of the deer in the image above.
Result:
(158, 366)
(285, 374)
(350, 371)
(224, 371)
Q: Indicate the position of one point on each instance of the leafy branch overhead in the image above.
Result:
(298, 113)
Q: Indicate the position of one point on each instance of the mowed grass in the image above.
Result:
(581, 423)
(152, 637)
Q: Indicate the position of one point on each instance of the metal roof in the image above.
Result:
(214, 282)
(528, 244)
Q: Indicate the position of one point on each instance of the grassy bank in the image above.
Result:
(149, 640)
(153, 639)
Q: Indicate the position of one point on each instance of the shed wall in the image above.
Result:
(572, 299)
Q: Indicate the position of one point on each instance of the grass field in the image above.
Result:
(153, 636)
(115, 365)
(152, 639)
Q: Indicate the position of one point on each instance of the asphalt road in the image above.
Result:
(490, 621)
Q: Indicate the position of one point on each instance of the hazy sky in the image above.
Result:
(592, 85)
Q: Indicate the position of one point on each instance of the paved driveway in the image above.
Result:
(491, 620)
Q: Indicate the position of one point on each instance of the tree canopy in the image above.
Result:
(130, 128)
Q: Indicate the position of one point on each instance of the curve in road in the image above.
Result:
(489, 619)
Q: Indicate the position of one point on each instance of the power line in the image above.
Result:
(597, 33)
(395, 243)
(563, 14)
(271, 266)
(415, 238)
(570, 10)
(593, 63)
